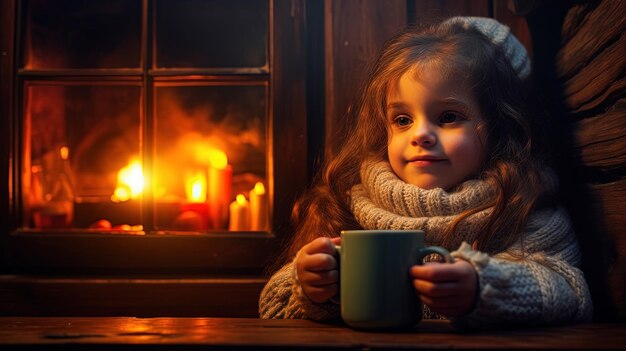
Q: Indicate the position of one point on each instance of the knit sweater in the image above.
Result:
(531, 282)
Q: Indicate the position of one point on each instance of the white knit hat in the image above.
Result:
(500, 35)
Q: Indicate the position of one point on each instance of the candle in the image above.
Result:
(239, 214)
(219, 189)
(195, 187)
(258, 208)
(194, 212)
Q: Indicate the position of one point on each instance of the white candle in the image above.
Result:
(258, 208)
(239, 214)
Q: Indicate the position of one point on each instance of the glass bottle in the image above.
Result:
(58, 208)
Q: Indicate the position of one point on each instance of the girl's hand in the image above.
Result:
(448, 289)
(316, 269)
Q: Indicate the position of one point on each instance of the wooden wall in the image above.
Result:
(580, 67)
(356, 30)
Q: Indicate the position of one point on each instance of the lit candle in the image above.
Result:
(219, 189)
(195, 187)
(239, 214)
(258, 208)
(195, 211)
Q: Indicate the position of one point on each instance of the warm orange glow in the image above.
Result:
(239, 214)
(219, 185)
(217, 158)
(259, 189)
(120, 194)
(241, 199)
(65, 152)
(258, 208)
(196, 188)
(129, 182)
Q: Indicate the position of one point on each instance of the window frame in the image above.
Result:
(222, 253)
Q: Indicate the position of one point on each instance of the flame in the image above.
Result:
(259, 189)
(65, 152)
(196, 188)
(129, 182)
(241, 199)
(218, 159)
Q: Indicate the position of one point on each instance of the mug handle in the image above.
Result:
(425, 251)
(335, 299)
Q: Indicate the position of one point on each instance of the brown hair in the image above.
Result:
(513, 163)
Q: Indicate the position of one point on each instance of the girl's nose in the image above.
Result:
(423, 137)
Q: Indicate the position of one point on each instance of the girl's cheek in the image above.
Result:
(465, 151)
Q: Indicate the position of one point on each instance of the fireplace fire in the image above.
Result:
(194, 181)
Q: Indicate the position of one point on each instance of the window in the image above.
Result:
(153, 135)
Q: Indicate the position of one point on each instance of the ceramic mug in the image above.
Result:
(376, 290)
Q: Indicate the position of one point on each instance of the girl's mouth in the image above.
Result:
(425, 161)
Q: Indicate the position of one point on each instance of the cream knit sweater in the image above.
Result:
(543, 287)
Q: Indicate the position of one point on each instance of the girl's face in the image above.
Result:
(434, 139)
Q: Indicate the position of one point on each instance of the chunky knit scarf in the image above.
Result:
(533, 283)
(384, 201)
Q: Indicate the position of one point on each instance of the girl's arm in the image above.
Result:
(282, 297)
(534, 282)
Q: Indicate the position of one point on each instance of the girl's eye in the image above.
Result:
(449, 117)
(402, 121)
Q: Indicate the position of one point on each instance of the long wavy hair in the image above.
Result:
(514, 159)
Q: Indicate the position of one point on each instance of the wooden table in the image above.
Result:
(124, 333)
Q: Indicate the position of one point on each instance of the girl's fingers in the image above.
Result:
(442, 272)
(319, 278)
(317, 262)
(428, 288)
(320, 294)
(437, 272)
(320, 245)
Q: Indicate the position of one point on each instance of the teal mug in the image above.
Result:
(376, 290)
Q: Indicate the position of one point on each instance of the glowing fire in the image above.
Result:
(196, 188)
(129, 182)
(217, 158)
(130, 179)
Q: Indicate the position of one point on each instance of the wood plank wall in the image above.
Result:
(356, 30)
(580, 67)
(578, 51)
(592, 64)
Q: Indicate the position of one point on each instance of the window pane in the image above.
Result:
(77, 138)
(82, 34)
(210, 146)
(211, 33)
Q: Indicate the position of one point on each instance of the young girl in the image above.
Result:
(446, 142)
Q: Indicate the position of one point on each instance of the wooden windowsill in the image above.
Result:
(76, 253)
(139, 296)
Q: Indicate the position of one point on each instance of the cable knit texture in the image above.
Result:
(532, 282)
